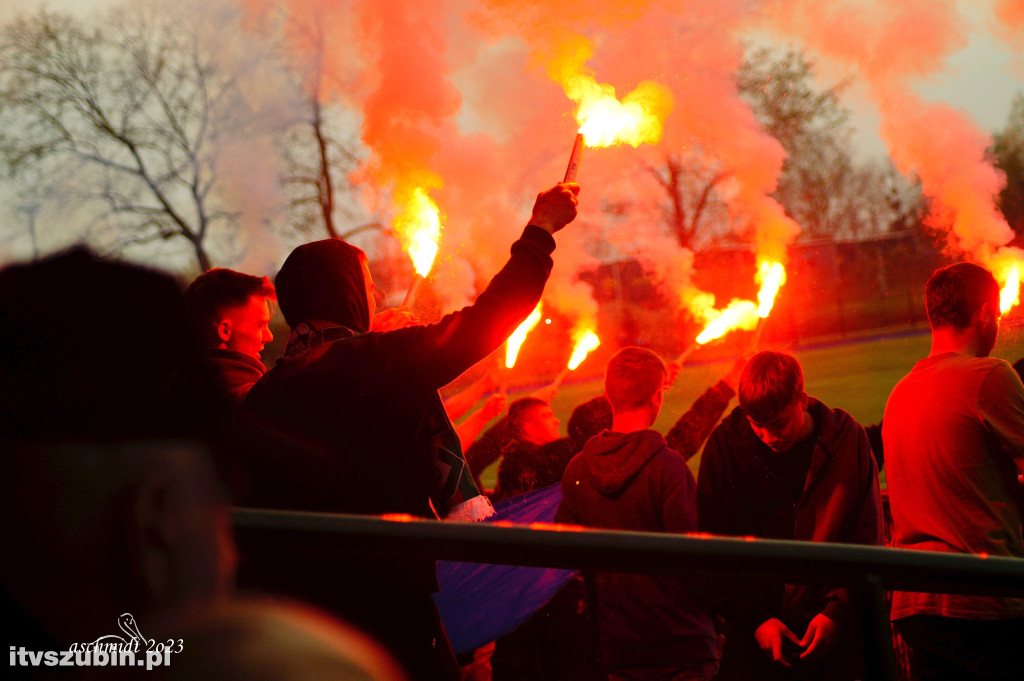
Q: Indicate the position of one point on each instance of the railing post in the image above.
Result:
(879, 662)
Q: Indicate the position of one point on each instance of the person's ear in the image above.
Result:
(656, 403)
(224, 330)
(150, 537)
(988, 314)
(803, 400)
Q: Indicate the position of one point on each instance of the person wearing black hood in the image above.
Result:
(368, 403)
(627, 478)
(785, 466)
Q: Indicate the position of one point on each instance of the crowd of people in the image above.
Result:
(133, 414)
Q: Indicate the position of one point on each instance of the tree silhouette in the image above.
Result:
(128, 115)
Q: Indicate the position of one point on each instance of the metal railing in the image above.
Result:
(869, 570)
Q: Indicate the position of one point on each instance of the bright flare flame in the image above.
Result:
(419, 227)
(605, 121)
(1010, 295)
(1006, 265)
(586, 342)
(740, 314)
(772, 276)
(515, 341)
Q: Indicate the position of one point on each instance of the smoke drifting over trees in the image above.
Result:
(458, 97)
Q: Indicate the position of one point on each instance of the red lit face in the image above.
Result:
(783, 431)
(541, 427)
(246, 328)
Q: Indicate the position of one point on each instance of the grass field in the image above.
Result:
(857, 377)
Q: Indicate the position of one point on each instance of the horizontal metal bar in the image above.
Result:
(573, 547)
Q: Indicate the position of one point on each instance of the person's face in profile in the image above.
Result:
(246, 328)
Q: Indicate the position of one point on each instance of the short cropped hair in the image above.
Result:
(956, 292)
(770, 382)
(632, 378)
(519, 412)
(217, 290)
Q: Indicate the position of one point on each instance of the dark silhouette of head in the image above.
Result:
(326, 281)
(107, 415)
(589, 419)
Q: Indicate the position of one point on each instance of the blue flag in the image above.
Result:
(480, 602)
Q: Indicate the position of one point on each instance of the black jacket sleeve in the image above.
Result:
(432, 356)
(693, 427)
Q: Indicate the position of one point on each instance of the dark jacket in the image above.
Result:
(526, 466)
(235, 371)
(370, 399)
(738, 495)
(365, 407)
(692, 429)
(633, 481)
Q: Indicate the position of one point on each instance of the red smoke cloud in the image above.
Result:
(892, 46)
(460, 94)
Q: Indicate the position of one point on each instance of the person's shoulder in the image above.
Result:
(835, 425)
(669, 462)
(837, 415)
(984, 374)
(1002, 377)
(560, 449)
(731, 429)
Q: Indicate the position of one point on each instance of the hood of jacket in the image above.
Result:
(324, 280)
(832, 425)
(614, 459)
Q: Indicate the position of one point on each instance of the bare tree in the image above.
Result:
(318, 161)
(132, 110)
(690, 183)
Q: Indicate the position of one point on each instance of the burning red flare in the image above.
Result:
(772, 276)
(740, 314)
(1006, 264)
(419, 227)
(604, 119)
(585, 344)
(515, 341)
(1010, 294)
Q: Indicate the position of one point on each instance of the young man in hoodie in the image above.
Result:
(378, 438)
(627, 478)
(229, 313)
(785, 466)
